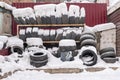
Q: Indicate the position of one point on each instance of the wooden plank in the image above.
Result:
(53, 25)
(47, 42)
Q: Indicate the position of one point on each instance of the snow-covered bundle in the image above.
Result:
(34, 41)
(67, 42)
(14, 41)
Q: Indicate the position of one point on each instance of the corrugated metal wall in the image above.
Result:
(95, 13)
(115, 18)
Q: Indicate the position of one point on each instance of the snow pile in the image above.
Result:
(3, 39)
(102, 27)
(83, 13)
(1, 45)
(62, 8)
(34, 41)
(67, 42)
(74, 10)
(42, 10)
(14, 41)
(7, 6)
(23, 12)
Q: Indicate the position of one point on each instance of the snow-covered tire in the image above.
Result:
(38, 56)
(106, 50)
(108, 54)
(88, 42)
(17, 21)
(17, 49)
(72, 20)
(73, 35)
(86, 36)
(39, 63)
(110, 60)
(59, 37)
(67, 48)
(48, 20)
(21, 20)
(87, 53)
(65, 19)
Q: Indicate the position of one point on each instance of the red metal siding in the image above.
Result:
(96, 13)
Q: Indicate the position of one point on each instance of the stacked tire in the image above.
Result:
(38, 59)
(88, 39)
(67, 51)
(108, 55)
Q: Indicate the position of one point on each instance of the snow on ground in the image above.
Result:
(107, 74)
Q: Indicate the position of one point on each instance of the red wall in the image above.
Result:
(96, 13)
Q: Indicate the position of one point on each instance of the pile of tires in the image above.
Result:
(50, 35)
(50, 14)
(88, 39)
(38, 59)
(15, 45)
(108, 55)
(67, 49)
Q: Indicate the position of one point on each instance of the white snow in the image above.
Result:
(74, 10)
(67, 42)
(40, 31)
(34, 41)
(6, 6)
(1, 45)
(22, 32)
(83, 13)
(3, 39)
(107, 74)
(102, 27)
(35, 29)
(14, 41)
(29, 30)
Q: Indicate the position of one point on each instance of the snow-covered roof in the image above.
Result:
(114, 7)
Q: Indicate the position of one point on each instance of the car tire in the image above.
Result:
(108, 54)
(106, 50)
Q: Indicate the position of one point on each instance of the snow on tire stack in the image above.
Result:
(88, 55)
(108, 55)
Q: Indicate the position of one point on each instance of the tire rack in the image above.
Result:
(50, 25)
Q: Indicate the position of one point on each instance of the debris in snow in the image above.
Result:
(67, 42)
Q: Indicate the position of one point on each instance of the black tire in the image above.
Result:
(17, 21)
(21, 20)
(89, 33)
(38, 20)
(82, 20)
(86, 36)
(108, 54)
(39, 63)
(72, 20)
(75, 53)
(59, 37)
(53, 19)
(43, 19)
(67, 48)
(110, 60)
(38, 56)
(58, 20)
(88, 42)
(77, 20)
(17, 49)
(87, 53)
(48, 20)
(107, 50)
(65, 19)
